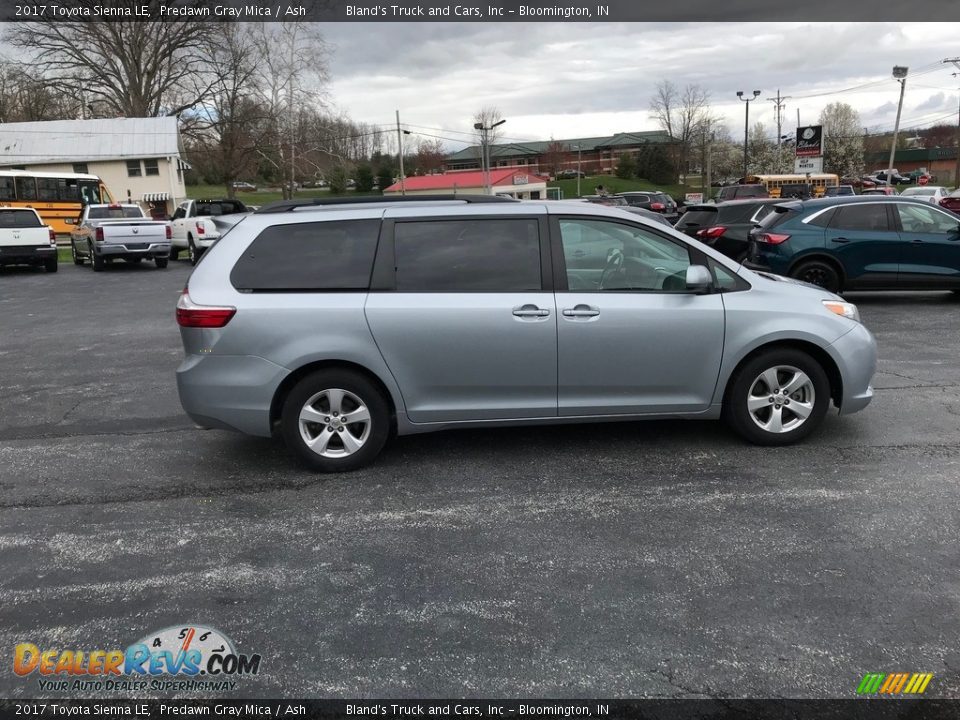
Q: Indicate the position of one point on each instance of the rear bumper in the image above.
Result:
(146, 249)
(19, 254)
(229, 392)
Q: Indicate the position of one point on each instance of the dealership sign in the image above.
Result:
(810, 141)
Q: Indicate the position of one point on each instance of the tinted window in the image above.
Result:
(468, 256)
(780, 214)
(115, 213)
(6, 189)
(698, 217)
(26, 188)
(870, 216)
(309, 257)
(47, 188)
(823, 219)
(220, 207)
(19, 219)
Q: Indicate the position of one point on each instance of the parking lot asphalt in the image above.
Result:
(660, 559)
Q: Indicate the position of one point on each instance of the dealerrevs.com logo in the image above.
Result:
(190, 657)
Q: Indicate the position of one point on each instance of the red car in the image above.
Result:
(952, 201)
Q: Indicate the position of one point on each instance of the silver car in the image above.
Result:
(339, 325)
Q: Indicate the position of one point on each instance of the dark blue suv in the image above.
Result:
(860, 243)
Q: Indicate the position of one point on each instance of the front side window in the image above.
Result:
(601, 256)
(133, 168)
(920, 219)
(309, 257)
(869, 216)
(468, 255)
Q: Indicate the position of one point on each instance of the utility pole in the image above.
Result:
(403, 187)
(900, 75)
(955, 61)
(779, 103)
(746, 127)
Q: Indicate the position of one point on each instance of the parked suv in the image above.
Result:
(861, 243)
(653, 200)
(337, 325)
(725, 226)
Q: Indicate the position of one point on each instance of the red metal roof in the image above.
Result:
(468, 179)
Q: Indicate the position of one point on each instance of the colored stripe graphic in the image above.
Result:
(894, 683)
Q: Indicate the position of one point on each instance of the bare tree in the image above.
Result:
(290, 78)
(486, 118)
(555, 156)
(431, 155)
(136, 69)
(680, 113)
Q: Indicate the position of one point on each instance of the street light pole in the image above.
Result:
(485, 152)
(746, 126)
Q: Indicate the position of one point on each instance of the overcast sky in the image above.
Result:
(565, 80)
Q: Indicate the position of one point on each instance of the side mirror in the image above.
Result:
(699, 279)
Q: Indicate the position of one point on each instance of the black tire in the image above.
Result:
(748, 379)
(192, 252)
(96, 261)
(373, 435)
(818, 272)
(161, 262)
(77, 260)
(50, 264)
(174, 253)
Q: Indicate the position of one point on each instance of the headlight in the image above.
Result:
(848, 310)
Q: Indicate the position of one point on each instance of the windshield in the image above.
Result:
(919, 191)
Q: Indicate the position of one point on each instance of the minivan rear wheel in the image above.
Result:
(818, 272)
(778, 397)
(335, 420)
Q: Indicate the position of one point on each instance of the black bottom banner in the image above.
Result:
(872, 709)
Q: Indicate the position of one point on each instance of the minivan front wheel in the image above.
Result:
(778, 397)
(818, 272)
(335, 420)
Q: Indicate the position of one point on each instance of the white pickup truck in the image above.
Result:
(193, 227)
(25, 240)
(118, 232)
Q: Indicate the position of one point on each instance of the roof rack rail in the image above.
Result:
(279, 206)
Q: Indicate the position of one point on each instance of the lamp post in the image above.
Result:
(579, 156)
(485, 152)
(746, 126)
(900, 75)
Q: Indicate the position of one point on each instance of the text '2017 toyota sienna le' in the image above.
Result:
(339, 324)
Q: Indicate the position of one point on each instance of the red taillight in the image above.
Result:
(657, 206)
(169, 232)
(200, 228)
(98, 234)
(189, 314)
(772, 238)
(53, 237)
(711, 233)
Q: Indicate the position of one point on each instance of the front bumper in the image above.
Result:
(856, 356)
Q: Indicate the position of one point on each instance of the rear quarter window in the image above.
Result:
(309, 257)
(701, 217)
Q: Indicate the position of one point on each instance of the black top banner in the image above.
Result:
(583, 11)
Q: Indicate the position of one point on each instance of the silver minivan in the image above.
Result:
(338, 324)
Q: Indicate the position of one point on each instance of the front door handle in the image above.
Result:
(839, 240)
(529, 311)
(581, 311)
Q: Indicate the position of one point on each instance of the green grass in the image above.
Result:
(614, 184)
(63, 254)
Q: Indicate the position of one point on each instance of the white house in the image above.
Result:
(138, 159)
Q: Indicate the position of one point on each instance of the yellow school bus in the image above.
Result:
(789, 185)
(55, 196)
